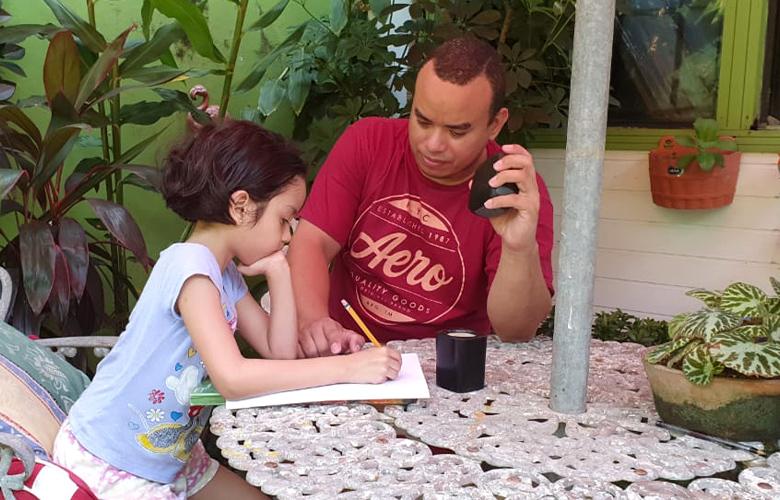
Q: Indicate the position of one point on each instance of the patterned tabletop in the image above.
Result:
(500, 442)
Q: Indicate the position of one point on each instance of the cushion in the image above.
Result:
(49, 481)
(37, 389)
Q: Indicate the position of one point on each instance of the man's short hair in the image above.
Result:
(460, 60)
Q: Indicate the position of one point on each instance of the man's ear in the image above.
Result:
(239, 205)
(498, 122)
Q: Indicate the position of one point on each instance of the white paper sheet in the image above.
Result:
(410, 384)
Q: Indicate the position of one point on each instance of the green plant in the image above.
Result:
(708, 144)
(335, 70)
(341, 67)
(617, 326)
(736, 333)
(620, 326)
(60, 265)
(533, 37)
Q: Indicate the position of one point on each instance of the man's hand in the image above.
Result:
(517, 227)
(325, 337)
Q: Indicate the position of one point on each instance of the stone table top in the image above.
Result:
(499, 442)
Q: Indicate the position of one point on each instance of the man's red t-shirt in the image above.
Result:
(414, 260)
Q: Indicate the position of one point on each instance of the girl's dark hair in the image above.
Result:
(201, 173)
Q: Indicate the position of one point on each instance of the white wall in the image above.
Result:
(648, 256)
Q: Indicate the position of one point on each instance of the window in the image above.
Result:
(665, 62)
(770, 95)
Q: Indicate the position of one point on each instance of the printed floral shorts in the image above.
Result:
(108, 482)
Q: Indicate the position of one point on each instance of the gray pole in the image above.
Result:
(585, 139)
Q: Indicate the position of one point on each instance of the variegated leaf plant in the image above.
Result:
(738, 329)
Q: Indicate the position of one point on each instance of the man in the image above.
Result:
(389, 212)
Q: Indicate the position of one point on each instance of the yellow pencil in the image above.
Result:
(360, 323)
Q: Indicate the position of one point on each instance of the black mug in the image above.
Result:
(460, 360)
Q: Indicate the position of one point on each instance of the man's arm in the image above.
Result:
(310, 254)
(518, 299)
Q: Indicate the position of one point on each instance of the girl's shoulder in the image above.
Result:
(187, 258)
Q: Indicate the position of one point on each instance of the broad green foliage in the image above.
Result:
(743, 299)
(739, 330)
(699, 367)
(710, 299)
(706, 322)
(709, 147)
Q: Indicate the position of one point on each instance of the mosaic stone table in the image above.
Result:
(499, 442)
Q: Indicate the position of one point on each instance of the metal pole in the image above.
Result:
(585, 139)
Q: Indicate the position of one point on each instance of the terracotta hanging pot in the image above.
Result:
(691, 188)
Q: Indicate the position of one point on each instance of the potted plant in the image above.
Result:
(720, 372)
(695, 172)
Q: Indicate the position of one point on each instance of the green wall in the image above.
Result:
(160, 226)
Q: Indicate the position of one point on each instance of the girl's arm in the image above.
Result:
(236, 377)
(277, 338)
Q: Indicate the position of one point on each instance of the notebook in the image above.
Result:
(409, 385)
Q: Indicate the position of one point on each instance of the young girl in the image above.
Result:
(133, 433)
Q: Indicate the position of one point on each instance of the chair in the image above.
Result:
(37, 388)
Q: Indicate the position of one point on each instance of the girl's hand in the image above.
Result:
(267, 265)
(373, 366)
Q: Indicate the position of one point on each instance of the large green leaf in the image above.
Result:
(680, 354)
(271, 94)
(743, 299)
(698, 366)
(122, 226)
(257, 73)
(20, 32)
(194, 24)
(339, 15)
(710, 299)
(88, 35)
(37, 255)
(753, 359)
(145, 112)
(662, 352)
(102, 67)
(73, 243)
(378, 6)
(183, 102)
(62, 68)
(270, 16)
(59, 300)
(705, 323)
(749, 331)
(707, 160)
(706, 129)
(156, 75)
(8, 179)
(151, 50)
(147, 10)
(298, 87)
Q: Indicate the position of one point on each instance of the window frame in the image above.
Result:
(740, 85)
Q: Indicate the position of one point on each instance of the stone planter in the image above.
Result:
(732, 408)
